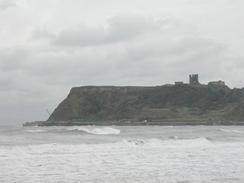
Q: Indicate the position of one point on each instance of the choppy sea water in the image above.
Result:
(183, 154)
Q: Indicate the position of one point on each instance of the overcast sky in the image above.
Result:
(49, 46)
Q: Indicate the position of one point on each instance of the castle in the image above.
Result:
(194, 81)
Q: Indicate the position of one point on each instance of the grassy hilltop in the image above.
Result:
(167, 104)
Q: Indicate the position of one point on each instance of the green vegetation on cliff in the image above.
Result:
(151, 105)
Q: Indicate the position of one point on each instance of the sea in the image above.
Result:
(122, 154)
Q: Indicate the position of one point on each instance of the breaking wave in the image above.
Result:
(230, 131)
(146, 159)
(81, 129)
(36, 131)
(201, 141)
(97, 131)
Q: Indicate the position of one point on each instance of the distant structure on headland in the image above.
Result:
(217, 83)
(193, 79)
(179, 83)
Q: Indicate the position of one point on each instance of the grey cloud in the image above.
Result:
(12, 59)
(83, 36)
(5, 4)
(129, 26)
(148, 49)
(42, 33)
(118, 28)
(124, 51)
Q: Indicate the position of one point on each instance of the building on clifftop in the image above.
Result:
(193, 79)
(179, 83)
(217, 83)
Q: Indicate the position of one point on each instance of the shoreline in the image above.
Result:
(134, 123)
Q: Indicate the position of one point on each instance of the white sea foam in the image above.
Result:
(173, 137)
(137, 155)
(231, 131)
(154, 142)
(36, 130)
(97, 130)
(129, 160)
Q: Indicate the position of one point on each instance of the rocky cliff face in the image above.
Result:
(151, 104)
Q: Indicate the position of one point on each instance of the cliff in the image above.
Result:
(167, 104)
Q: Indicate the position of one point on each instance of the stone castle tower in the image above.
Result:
(193, 79)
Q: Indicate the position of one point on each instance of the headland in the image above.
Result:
(180, 103)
